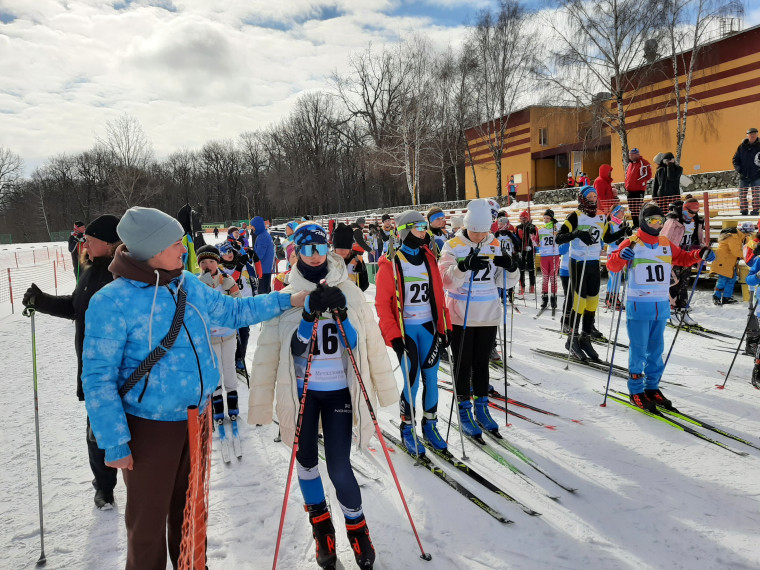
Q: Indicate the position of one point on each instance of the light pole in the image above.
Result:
(249, 206)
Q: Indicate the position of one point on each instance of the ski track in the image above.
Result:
(649, 496)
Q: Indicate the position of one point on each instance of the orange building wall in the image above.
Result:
(726, 102)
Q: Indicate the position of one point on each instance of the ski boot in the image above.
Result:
(728, 301)
(659, 399)
(585, 344)
(409, 438)
(494, 355)
(323, 531)
(361, 544)
(755, 381)
(575, 347)
(232, 405)
(217, 402)
(532, 289)
(553, 302)
(675, 317)
(717, 301)
(430, 431)
(544, 300)
(522, 290)
(595, 332)
(466, 421)
(688, 320)
(484, 416)
(640, 400)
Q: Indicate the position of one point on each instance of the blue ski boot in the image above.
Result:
(409, 439)
(484, 416)
(466, 421)
(430, 432)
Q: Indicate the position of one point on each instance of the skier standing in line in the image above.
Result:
(683, 226)
(528, 235)
(584, 228)
(437, 224)
(333, 395)
(471, 266)
(223, 339)
(100, 242)
(235, 265)
(425, 321)
(617, 230)
(549, 253)
(730, 251)
(651, 258)
(343, 241)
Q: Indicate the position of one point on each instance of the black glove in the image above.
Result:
(398, 347)
(333, 298)
(505, 262)
(628, 230)
(252, 255)
(30, 295)
(444, 339)
(317, 303)
(584, 236)
(473, 262)
(240, 266)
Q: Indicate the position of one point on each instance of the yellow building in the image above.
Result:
(542, 145)
(725, 101)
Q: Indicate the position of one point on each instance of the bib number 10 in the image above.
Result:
(654, 273)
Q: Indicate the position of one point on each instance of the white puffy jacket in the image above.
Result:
(273, 371)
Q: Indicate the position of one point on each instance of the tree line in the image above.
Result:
(391, 129)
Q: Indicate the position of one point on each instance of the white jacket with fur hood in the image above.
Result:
(273, 371)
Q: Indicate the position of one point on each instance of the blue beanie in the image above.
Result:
(586, 190)
(147, 231)
(309, 233)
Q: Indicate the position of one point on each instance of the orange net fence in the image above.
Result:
(193, 547)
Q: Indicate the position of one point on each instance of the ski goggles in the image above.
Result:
(617, 215)
(419, 226)
(226, 247)
(691, 212)
(313, 248)
(655, 220)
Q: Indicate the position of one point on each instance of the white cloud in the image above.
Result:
(189, 71)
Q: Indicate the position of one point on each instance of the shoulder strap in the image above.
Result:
(160, 351)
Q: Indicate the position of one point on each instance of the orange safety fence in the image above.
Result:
(32, 256)
(51, 277)
(193, 547)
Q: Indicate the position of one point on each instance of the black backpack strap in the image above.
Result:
(163, 347)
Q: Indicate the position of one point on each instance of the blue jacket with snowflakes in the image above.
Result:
(124, 324)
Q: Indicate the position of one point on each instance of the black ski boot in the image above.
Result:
(232, 405)
(575, 348)
(587, 348)
(544, 300)
(756, 374)
(361, 544)
(217, 402)
(659, 399)
(324, 534)
(104, 499)
(595, 333)
(641, 401)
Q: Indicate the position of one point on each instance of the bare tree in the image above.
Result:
(132, 154)
(504, 48)
(11, 166)
(690, 23)
(603, 49)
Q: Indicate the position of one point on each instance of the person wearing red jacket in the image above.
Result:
(637, 175)
(650, 258)
(410, 297)
(606, 196)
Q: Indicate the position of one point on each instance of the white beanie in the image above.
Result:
(478, 217)
(147, 231)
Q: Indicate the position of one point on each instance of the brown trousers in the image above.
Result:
(156, 488)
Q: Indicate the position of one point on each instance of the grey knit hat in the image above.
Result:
(408, 217)
(147, 231)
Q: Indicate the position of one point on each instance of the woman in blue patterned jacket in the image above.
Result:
(144, 432)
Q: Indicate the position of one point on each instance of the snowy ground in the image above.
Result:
(649, 496)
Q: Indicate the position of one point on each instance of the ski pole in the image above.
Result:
(616, 284)
(614, 345)
(576, 307)
(29, 312)
(302, 405)
(336, 316)
(683, 313)
(749, 320)
(568, 292)
(504, 343)
(459, 357)
(403, 357)
(454, 382)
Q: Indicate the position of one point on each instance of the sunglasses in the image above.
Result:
(310, 249)
(655, 220)
(420, 226)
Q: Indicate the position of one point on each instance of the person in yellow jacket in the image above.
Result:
(730, 242)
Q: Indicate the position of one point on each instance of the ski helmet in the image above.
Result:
(585, 205)
(651, 219)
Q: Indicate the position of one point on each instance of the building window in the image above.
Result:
(543, 137)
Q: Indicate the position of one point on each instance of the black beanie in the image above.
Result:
(343, 237)
(649, 209)
(208, 252)
(104, 228)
